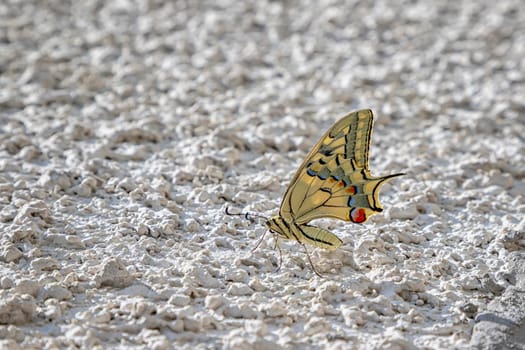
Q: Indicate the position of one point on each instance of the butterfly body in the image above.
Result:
(303, 233)
(333, 182)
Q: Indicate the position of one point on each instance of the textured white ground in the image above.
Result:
(127, 127)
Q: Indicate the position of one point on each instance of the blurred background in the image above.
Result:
(126, 127)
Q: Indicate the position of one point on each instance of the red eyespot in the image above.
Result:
(351, 190)
(358, 215)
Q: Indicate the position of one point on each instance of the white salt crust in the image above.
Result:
(127, 128)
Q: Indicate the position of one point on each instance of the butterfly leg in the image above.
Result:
(260, 241)
(280, 253)
(310, 260)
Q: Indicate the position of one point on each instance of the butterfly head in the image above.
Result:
(277, 225)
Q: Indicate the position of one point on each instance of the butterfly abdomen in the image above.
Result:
(303, 233)
(319, 237)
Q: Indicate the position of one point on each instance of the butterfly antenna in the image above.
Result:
(310, 260)
(246, 214)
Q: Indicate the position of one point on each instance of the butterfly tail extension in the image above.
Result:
(377, 186)
(366, 203)
(319, 237)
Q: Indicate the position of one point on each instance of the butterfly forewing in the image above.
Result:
(355, 129)
(334, 181)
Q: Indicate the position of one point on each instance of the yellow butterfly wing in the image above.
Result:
(334, 180)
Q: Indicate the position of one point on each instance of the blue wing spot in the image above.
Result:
(337, 177)
(351, 202)
(321, 176)
(311, 172)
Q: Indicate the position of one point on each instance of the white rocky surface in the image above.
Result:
(127, 127)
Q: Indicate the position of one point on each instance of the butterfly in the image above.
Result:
(332, 182)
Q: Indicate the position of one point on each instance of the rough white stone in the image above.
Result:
(114, 274)
(179, 300)
(55, 291)
(10, 253)
(17, 309)
(45, 264)
(120, 149)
